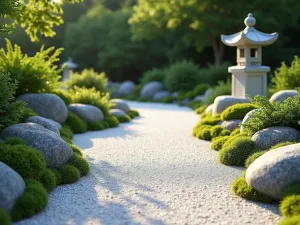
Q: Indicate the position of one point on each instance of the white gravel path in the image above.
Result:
(152, 171)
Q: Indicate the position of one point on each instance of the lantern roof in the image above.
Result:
(249, 36)
(70, 64)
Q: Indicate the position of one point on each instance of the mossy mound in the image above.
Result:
(253, 157)
(229, 141)
(215, 131)
(290, 206)
(293, 189)
(76, 149)
(57, 176)
(75, 123)
(112, 121)
(124, 119)
(218, 142)
(66, 134)
(96, 125)
(201, 109)
(237, 111)
(168, 99)
(133, 113)
(48, 179)
(282, 144)
(294, 220)
(209, 120)
(235, 132)
(69, 174)
(14, 141)
(80, 163)
(4, 218)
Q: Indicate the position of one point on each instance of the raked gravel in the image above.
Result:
(152, 171)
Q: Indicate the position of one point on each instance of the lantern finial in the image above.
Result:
(250, 21)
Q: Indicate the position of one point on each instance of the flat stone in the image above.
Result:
(223, 102)
(117, 112)
(88, 113)
(281, 96)
(120, 104)
(46, 123)
(230, 124)
(150, 89)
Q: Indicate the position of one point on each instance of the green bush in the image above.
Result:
(133, 113)
(290, 206)
(168, 99)
(253, 157)
(222, 89)
(235, 132)
(69, 174)
(33, 201)
(200, 89)
(80, 163)
(294, 220)
(10, 111)
(293, 189)
(14, 141)
(88, 78)
(57, 176)
(242, 189)
(136, 93)
(217, 143)
(66, 134)
(76, 124)
(215, 73)
(64, 95)
(76, 149)
(36, 74)
(48, 179)
(91, 97)
(112, 121)
(153, 75)
(215, 131)
(286, 78)
(282, 144)
(124, 119)
(95, 125)
(26, 161)
(237, 111)
(4, 218)
(26, 113)
(225, 132)
(236, 153)
(194, 104)
(182, 76)
(201, 109)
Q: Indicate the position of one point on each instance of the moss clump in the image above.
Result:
(225, 132)
(253, 157)
(198, 128)
(124, 119)
(201, 109)
(204, 134)
(33, 201)
(232, 138)
(66, 134)
(112, 121)
(80, 163)
(26, 161)
(76, 149)
(195, 104)
(215, 131)
(282, 144)
(236, 153)
(242, 189)
(48, 179)
(235, 132)
(294, 220)
(218, 143)
(69, 174)
(57, 176)
(4, 218)
(76, 124)
(209, 121)
(290, 206)
(237, 111)
(14, 141)
(133, 113)
(95, 125)
(168, 99)
(293, 189)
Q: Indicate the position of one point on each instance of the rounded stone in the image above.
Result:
(230, 124)
(11, 188)
(247, 117)
(209, 109)
(160, 96)
(88, 113)
(119, 104)
(126, 88)
(46, 123)
(150, 89)
(275, 170)
(55, 150)
(46, 105)
(281, 96)
(117, 112)
(199, 98)
(207, 93)
(271, 136)
(223, 102)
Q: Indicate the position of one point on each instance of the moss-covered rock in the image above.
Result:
(237, 111)
(76, 149)
(75, 123)
(95, 125)
(69, 174)
(81, 164)
(112, 121)
(217, 143)
(48, 179)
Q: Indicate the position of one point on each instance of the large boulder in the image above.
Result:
(46, 105)
(271, 136)
(223, 102)
(150, 89)
(55, 150)
(126, 88)
(272, 172)
(230, 124)
(117, 112)
(120, 104)
(209, 109)
(247, 117)
(47, 123)
(12, 187)
(88, 113)
(280, 96)
(159, 96)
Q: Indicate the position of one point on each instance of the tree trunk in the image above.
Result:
(218, 48)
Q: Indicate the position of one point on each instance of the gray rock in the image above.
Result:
(174, 94)
(199, 98)
(86, 112)
(119, 104)
(55, 150)
(223, 102)
(117, 112)
(48, 124)
(230, 124)
(11, 188)
(247, 117)
(126, 88)
(150, 89)
(272, 172)
(49, 106)
(186, 102)
(280, 96)
(271, 136)
(209, 109)
(58, 125)
(160, 96)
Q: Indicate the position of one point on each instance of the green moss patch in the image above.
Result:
(295, 220)
(95, 125)
(282, 144)
(217, 143)
(253, 157)
(4, 218)
(76, 149)
(237, 111)
(75, 123)
(133, 113)
(66, 134)
(57, 176)
(80, 163)
(112, 121)
(124, 119)
(69, 174)
(290, 206)
(48, 179)
(14, 141)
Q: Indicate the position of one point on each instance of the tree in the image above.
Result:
(203, 21)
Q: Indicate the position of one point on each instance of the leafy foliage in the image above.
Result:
(154, 75)
(216, 73)
(76, 124)
(26, 113)
(69, 174)
(221, 89)
(237, 111)
(64, 95)
(290, 206)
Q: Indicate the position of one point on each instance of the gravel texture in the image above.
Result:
(152, 171)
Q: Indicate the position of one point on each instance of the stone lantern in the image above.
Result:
(69, 66)
(249, 76)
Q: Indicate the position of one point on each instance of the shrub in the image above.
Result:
(95, 125)
(225, 132)
(221, 89)
(26, 161)
(26, 113)
(236, 153)
(48, 179)
(65, 96)
(69, 174)
(136, 93)
(253, 157)
(286, 78)
(133, 113)
(57, 176)
(168, 99)
(200, 89)
(293, 189)
(153, 75)
(194, 104)
(124, 119)
(242, 189)
(112, 121)
(88, 79)
(14, 141)
(66, 134)
(33, 201)
(182, 76)
(91, 97)
(215, 131)
(36, 74)
(76, 124)
(80, 163)
(76, 149)
(215, 73)
(217, 143)
(290, 206)
(282, 144)
(237, 112)
(294, 220)
(4, 218)
(10, 111)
